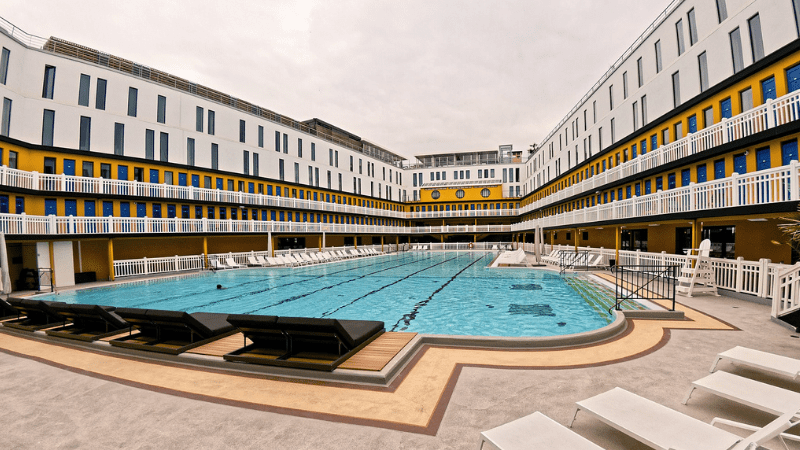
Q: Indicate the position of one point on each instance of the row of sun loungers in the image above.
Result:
(663, 428)
(298, 342)
(294, 259)
(419, 248)
(590, 261)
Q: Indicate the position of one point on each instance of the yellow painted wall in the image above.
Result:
(93, 257)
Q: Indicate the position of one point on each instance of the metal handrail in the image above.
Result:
(655, 281)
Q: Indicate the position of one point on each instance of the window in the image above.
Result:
(48, 125)
(613, 131)
(702, 64)
(164, 146)
(280, 170)
(87, 169)
(241, 130)
(756, 41)
(119, 139)
(658, 56)
(246, 162)
(215, 156)
(138, 174)
(692, 27)
(149, 144)
(635, 116)
(85, 132)
(640, 71)
(736, 50)
(198, 121)
(190, 151)
(676, 89)
(485, 192)
(435, 194)
(212, 122)
(83, 90)
(49, 166)
(161, 115)
(49, 82)
(4, 55)
(708, 117)
(678, 130)
(624, 85)
(255, 164)
(100, 95)
(679, 34)
(285, 143)
(594, 111)
(133, 96)
(644, 114)
(611, 97)
(460, 193)
(795, 5)
(746, 99)
(314, 152)
(12, 159)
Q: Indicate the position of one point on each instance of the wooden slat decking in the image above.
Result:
(222, 346)
(379, 352)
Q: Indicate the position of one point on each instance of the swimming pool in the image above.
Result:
(449, 293)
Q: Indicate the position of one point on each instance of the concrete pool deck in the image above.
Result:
(60, 396)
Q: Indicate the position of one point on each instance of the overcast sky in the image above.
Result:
(413, 76)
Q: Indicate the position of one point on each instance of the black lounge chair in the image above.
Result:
(299, 342)
(35, 314)
(89, 322)
(171, 332)
(7, 311)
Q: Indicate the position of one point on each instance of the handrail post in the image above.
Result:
(740, 274)
(763, 280)
(794, 181)
(768, 105)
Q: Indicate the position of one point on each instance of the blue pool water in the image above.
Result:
(432, 293)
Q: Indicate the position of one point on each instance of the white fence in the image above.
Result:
(151, 266)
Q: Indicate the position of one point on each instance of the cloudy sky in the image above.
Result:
(414, 76)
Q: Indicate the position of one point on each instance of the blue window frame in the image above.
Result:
(185, 212)
(223, 213)
(157, 210)
(211, 212)
(171, 212)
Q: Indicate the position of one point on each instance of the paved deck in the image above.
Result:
(57, 396)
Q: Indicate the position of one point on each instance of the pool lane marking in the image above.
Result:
(416, 401)
(407, 318)
(310, 277)
(328, 313)
(331, 286)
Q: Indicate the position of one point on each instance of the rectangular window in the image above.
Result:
(199, 119)
(640, 71)
(261, 136)
(795, 5)
(635, 116)
(161, 115)
(12, 159)
(85, 132)
(190, 151)
(594, 111)
(133, 100)
(702, 64)
(255, 164)
(679, 34)
(149, 144)
(246, 162)
(83, 90)
(692, 27)
(4, 55)
(100, 95)
(676, 89)
(611, 97)
(722, 10)
(658, 56)
(330, 156)
(119, 139)
(278, 141)
(708, 117)
(746, 99)
(313, 151)
(5, 126)
(613, 131)
(756, 41)
(241, 130)
(48, 126)
(297, 173)
(336, 158)
(87, 169)
(736, 50)
(105, 171)
(49, 82)
(624, 85)
(644, 110)
(280, 170)
(164, 146)
(299, 147)
(212, 122)
(214, 156)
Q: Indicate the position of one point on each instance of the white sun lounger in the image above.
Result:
(252, 261)
(233, 264)
(217, 265)
(307, 258)
(767, 362)
(663, 428)
(262, 261)
(535, 431)
(274, 261)
(755, 394)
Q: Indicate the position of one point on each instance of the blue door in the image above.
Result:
(19, 205)
(627, 192)
(719, 169)
(88, 208)
(141, 209)
(70, 208)
(122, 173)
(69, 167)
(793, 78)
(788, 152)
(686, 177)
(633, 151)
(605, 197)
(315, 196)
(671, 181)
(219, 184)
(157, 210)
(644, 146)
(108, 209)
(251, 188)
(725, 108)
(196, 180)
(693, 123)
(171, 211)
(768, 89)
(181, 179)
(198, 212)
(653, 142)
(638, 189)
(762, 159)
(4, 204)
(124, 209)
(50, 207)
(154, 175)
(647, 188)
(701, 174)
(264, 215)
(185, 211)
(740, 164)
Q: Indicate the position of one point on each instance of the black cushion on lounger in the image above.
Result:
(216, 323)
(95, 313)
(6, 309)
(132, 315)
(205, 324)
(38, 310)
(247, 321)
(307, 324)
(355, 332)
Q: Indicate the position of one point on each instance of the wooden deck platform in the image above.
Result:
(222, 346)
(379, 352)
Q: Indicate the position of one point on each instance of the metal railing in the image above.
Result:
(645, 282)
(573, 261)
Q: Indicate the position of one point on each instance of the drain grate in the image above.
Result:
(531, 310)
